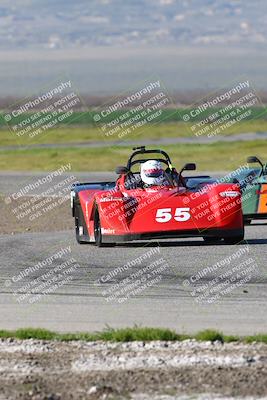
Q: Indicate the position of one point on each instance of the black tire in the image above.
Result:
(247, 221)
(234, 239)
(208, 239)
(97, 230)
(98, 233)
(78, 223)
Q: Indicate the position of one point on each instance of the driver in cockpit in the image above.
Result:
(152, 174)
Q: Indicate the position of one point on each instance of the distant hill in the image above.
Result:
(56, 24)
(108, 46)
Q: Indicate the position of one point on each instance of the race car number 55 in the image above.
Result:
(165, 214)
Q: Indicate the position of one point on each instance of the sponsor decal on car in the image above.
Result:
(107, 231)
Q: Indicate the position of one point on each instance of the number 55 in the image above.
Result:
(182, 214)
(164, 214)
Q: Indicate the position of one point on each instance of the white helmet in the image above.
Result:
(152, 172)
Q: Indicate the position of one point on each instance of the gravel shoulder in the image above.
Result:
(36, 370)
(46, 214)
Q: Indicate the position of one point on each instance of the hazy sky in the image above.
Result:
(105, 46)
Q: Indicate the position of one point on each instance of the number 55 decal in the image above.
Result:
(165, 214)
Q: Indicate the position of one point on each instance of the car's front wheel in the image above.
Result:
(98, 232)
(97, 229)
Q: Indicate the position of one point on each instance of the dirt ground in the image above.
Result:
(35, 214)
(40, 370)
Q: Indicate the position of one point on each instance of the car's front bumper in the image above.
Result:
(216, 233)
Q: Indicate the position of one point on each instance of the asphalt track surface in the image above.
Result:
(81, 304)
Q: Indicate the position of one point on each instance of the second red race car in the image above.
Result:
(150, 200)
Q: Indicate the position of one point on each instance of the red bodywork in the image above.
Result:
(163, 212)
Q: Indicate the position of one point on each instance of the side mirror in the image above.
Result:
(253, 159)
(186, 167)
(189, 167)
(121, 170)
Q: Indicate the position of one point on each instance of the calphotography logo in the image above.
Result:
(219, 113)
(229, 274)
(40, 197)
(41, 113)
(54, 272)
(125, 282)
(131, 113)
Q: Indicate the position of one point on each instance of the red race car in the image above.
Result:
(151, 200)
